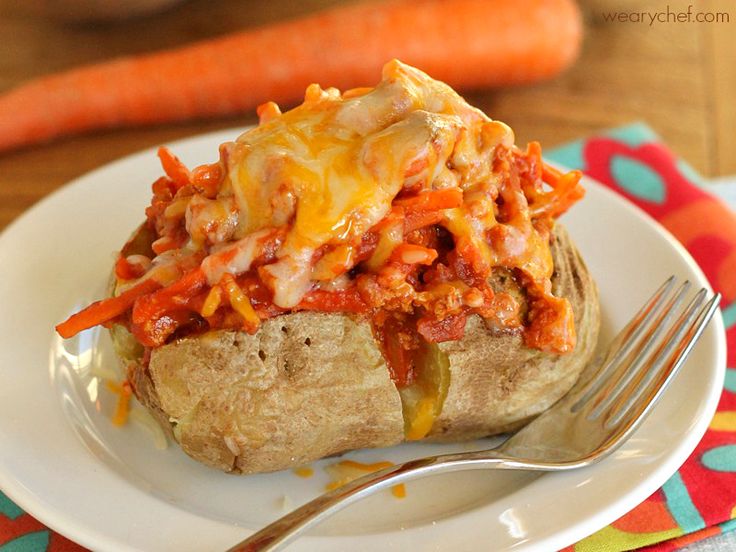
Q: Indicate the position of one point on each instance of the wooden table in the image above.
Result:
(680, 78)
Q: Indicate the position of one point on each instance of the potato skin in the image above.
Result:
(309, 385)
(496, 383)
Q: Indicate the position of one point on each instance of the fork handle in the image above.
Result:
(284, 530)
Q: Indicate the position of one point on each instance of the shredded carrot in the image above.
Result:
(174, 168)
(124, 270)
(399, 491)
(124, 392)
(414, 220)
(151, 306)
(550, 175)
(105, 310)
(433, 200)
(568, 191)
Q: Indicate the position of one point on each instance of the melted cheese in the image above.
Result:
(330, 168)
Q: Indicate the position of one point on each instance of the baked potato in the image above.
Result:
(371, 267)
(309, 385)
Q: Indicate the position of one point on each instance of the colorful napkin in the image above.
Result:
(19, 532)
(700, 499)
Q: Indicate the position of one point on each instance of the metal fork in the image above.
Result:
(596, 417)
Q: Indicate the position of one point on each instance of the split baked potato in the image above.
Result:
(370, 267)
(309, 385)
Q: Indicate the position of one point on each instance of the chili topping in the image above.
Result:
(401, 203)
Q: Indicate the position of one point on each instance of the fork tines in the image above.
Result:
(646, 354)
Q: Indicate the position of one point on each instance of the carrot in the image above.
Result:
(467, 43)
(122, 408)
(153, 305)
(433, 200)
(414, 220)
(105, 310)
(174, 168)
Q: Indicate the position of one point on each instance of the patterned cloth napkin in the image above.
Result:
(700, 499)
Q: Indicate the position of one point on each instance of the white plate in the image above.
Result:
(110, 489)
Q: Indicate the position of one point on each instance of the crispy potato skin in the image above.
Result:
(307, 385)
(496, 383)
(310, 385)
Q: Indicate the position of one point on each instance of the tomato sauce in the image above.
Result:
(420, 289)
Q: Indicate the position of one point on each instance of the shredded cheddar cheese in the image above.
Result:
(304, 471)
(212, 302)
(240, 301)
(348, 470)
(390, 237)
(422, 423)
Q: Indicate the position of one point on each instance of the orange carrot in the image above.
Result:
(122, 408)
(467, 43)
(446, 198)
(419, 219)
(174, 168)
(105, 310)
(153, 305)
